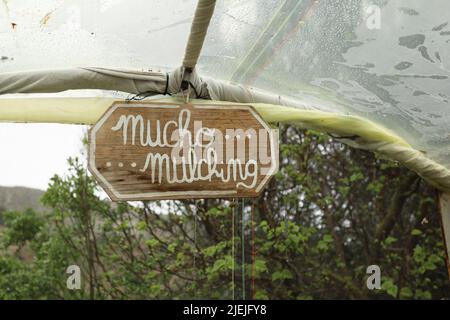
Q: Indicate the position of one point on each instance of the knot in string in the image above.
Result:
(182, 80)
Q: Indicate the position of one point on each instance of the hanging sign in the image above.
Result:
(145, 150)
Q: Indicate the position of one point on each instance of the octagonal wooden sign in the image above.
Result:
(150, 151)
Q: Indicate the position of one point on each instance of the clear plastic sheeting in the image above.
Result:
(386, 61)
(139, 34)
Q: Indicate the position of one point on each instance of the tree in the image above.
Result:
(330, 212)
(21, 227)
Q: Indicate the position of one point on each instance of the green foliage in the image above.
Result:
(390, 287)
(21, 227)
(330, 212)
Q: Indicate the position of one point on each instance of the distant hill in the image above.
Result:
(20, 198)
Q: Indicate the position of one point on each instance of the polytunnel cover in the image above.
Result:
(387, 61)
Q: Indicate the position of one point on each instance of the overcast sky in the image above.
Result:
(30, 154)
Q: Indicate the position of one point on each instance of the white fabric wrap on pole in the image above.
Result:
(433, 172)
(199, 28)
(135, 82)
(53, 81)
(50, 81)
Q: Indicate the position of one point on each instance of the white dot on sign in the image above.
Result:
(227, 137)
(108, 164)
(120, 164)
(249, 136)
(133, 164)
(238, 136)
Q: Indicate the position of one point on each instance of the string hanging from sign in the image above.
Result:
(286, 215)
(140, 96)
(195, 251)
(253, 247)
(188, 95)
(187, 85)
(284, 203)
(233, 206)
(146, 94)
(167, 85)
(243, 248)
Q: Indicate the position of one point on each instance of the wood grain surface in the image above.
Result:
(131, 151)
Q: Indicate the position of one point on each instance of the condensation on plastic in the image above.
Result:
(139, 34)
(330, 55)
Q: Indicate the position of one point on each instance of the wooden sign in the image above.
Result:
(144, 150)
